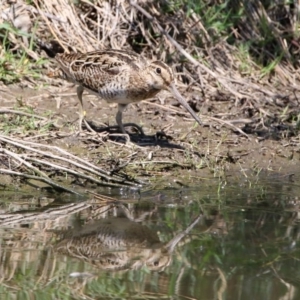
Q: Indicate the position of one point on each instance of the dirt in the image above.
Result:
(173, 147)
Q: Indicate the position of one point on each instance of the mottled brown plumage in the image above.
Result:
(117, 76)
(120, 244)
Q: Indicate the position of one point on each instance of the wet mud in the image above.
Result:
(173, 147)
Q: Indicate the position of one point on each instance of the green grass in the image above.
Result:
(15, 64)
(266, 35)
(15, 123)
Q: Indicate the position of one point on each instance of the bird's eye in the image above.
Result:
(156, 263)
(158, 70)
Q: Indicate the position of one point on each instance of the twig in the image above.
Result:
(21, 160)
(162, 162)
(10, 111)
(21, 145)
(228, 123)
(49, 16)
(49, 214)
(70, 171)
(113, 181)
(224, 122)
(47, 22)
(43, 179)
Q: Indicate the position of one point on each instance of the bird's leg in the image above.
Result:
(82, 112)
(121, 108)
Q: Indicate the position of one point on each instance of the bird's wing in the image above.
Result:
(95, 69)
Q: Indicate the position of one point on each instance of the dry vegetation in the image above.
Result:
(236, 63)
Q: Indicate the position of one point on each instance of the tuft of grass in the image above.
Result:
(15, 64)
(270, 67)
(262, 29)
(19, 124)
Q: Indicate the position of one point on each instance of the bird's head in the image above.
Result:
(160, 75)
(162, 78)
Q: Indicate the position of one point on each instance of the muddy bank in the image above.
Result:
(174, 149)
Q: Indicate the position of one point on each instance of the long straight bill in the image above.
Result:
(182, 101)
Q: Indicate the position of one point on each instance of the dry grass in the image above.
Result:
(204, 60)
(208, 63)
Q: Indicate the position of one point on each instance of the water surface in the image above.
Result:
(237, 240)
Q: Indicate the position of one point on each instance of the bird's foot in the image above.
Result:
(87, 125)
(139, 128)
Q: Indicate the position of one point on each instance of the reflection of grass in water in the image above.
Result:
(254, 245)
(39, 273)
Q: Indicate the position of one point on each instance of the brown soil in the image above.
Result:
(173, 147)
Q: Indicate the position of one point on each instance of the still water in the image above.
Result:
(238, 240)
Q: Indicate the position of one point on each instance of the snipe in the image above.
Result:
(117, 76)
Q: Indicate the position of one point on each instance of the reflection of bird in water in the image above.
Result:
(119, 244)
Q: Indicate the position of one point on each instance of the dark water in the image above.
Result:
(238, 240)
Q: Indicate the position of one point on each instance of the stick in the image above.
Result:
(43, 179)
(21, 113)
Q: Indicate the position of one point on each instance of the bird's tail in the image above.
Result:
(51, 48)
